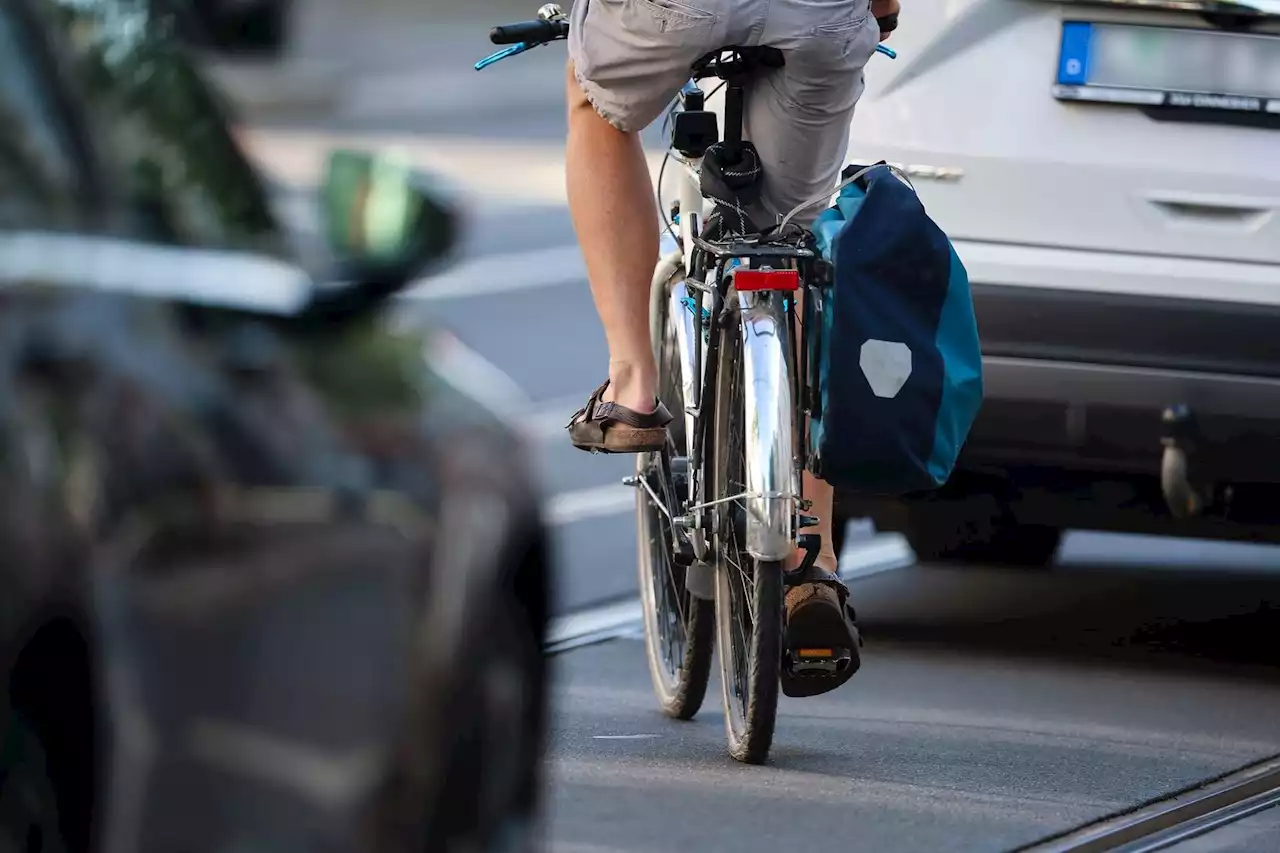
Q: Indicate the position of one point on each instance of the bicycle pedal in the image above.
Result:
(818, 661)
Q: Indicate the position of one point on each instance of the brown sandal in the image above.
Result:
(821, 636)
(602, 427)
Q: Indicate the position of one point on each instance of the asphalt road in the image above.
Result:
(993, 707)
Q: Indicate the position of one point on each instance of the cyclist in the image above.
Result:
(627, 60)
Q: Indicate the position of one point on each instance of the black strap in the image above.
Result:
(733, 185)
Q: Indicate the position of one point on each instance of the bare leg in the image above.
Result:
(614, 214)
(823, 497)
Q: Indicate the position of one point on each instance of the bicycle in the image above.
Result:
(720, 509)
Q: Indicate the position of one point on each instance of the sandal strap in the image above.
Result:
(818, 575)
(597, 410)
(656, 419)
(584, 414)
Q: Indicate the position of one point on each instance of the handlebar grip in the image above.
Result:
(529, 31)
(888, 23)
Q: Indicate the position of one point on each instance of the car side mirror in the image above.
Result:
(385, 224)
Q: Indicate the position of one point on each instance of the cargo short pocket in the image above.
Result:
(843, 29)
(668, 16)
(849, 43)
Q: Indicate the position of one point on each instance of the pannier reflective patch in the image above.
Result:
(887, 366)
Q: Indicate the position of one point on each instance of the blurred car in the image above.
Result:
(273, 577)
(1110, 174)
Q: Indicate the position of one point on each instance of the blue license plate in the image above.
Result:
(1169, 67)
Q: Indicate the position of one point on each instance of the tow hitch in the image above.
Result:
(1183, 497)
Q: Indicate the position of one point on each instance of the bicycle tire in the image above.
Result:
(680, 672)
(750, 653)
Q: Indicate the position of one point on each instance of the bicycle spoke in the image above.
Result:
(678, 628)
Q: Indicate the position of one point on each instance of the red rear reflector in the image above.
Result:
(767, 279)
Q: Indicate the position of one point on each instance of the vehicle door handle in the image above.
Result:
(1228, 212)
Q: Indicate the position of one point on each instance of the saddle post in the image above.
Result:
(734, 72)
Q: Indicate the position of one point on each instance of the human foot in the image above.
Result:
(821, 637)
(603, 426)
(632, 386)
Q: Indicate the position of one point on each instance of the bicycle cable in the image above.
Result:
(827, 194)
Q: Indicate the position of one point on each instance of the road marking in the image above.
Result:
(296, 158)
(593, 502)
(506, 273)
(472, 374)
(620, 619)
(593, 625)
(548, 422)
(882, 553)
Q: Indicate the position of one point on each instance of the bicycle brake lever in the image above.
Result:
(514, 50)
(887, 51)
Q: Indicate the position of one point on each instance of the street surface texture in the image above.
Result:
(993, 707)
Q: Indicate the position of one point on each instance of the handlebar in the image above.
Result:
(535, 32)
(526, 35)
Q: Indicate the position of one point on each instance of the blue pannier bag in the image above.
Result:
(892, 347)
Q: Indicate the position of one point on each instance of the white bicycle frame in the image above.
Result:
(772, 478)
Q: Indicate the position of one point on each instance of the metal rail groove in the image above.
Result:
(1171, 820)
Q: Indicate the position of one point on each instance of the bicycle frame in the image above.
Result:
(772, 472)
(773, 497)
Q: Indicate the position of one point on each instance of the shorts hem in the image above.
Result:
(593, 97)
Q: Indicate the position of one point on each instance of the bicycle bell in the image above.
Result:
(551, 12)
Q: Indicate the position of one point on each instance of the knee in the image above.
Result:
(586, 113)
(575, 97)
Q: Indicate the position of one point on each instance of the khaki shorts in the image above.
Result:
(631, 58)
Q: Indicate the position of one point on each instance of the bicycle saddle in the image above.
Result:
(736, 61)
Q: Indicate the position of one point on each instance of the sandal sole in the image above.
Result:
(818, 624)
(630, 441)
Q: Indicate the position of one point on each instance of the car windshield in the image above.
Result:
(162, 137)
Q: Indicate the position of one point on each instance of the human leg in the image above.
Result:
(628, 59)
(798, 117)
(612, 206)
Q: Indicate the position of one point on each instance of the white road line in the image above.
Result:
(594, 502)
(882, 553)
(505, 273)
(596, 620)
(548, 422)
(861, 559)
(296, 158)
(475, 376)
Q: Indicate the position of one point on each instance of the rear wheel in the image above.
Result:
(677, 627)
(748, 591)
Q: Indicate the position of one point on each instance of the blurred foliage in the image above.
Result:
(159, 128)
(39, 176)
